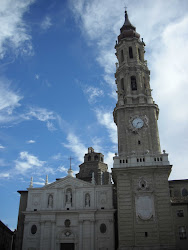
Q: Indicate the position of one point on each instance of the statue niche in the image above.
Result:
(69, 196)
(87, 200)
(50, 201)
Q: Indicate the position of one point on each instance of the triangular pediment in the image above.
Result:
(68, 181)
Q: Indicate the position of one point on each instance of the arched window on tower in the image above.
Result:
(184, 192)
(133, 83)
(122, 83)
(130, 52)
(89, 158)
(122, 56)
(139, 54)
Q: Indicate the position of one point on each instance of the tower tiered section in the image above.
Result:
(140, 170)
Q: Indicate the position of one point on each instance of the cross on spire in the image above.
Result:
(70, 158)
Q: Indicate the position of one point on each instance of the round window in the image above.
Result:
(34, 229)
(103, 228)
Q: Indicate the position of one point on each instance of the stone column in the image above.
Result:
(81, 234)
(53, 235)
(41, 234)
(92, 235)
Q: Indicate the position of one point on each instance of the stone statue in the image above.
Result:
(69, 197)
(87, 200)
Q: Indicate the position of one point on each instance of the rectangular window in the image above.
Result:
(182, 233)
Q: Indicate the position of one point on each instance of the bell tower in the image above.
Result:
(140, 171)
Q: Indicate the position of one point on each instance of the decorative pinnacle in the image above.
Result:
(31, 183)
(46, 182)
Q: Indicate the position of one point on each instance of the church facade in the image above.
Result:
(141, 210)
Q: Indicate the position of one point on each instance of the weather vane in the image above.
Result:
(70, 158)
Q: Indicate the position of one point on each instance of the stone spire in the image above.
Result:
(127, 24)
(127, 30)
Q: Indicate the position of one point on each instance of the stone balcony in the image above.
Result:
(141, 160)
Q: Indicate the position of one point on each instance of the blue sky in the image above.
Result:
(57, 86)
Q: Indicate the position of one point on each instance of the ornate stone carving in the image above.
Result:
(134, 129)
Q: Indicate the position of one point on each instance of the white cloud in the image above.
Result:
(26, 162)
(50, 126)
(13, 29)
(57, 157)
(109, 160)
(41, 114)
(37, 76)
(2, 147)
(4, 175)
(9, 99)
(30, 142)
(106, 119)
(93, 93)
(46, 23)
(38, 183)
(62, 169)
(76, 146)
(97, 144)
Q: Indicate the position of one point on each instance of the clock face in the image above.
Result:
(138, 123)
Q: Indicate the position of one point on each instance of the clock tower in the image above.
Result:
(140, 171)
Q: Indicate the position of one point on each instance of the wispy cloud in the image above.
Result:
(2, 147)
(50, 126)
(76, 146)
(62, 169)
(57, 157)
(41, 114)
(106, 120)
(9, 99)
(26, 162)
(30, 142)
(92, 93)
(4, 175)
(37, 76)
(13, 29)
(46, 23)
